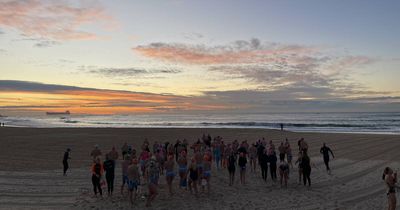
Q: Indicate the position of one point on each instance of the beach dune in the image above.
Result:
(31, 170)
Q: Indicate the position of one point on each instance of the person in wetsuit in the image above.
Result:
(231, 167)
(272, 165)
(65, 161)
(109, 167)
(193, 176)
(325, 153)
(390, 179)
(306, 166)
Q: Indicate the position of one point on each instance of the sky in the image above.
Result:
(119, 57)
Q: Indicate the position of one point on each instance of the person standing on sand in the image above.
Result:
(124, 166)
(182, 164)
(282, 151)
(298, 161)
(207, 172)
(109, 167)
(193, 176)
(65, 161)
(264, 159)
(153, 174)
(169, 172)
(289, 155)
(113, 154)
(97, 172)
(390, 179)
(242, 165)
(306, 166)
(231, 167)
(253, 157)
(95, 152)
(284, 172)
(134, 179)
(325, 153)
(124, 150)
(272, 165)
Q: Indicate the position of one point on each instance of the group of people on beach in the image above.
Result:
(146, 164)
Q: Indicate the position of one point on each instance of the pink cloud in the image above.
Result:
(239, 52)
(51, 20)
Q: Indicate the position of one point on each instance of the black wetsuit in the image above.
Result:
(96, 179)
(242, 162)
(272, 165)
(305, 165)
(260, 152)
(109, 167)
(65, 162)
(325, 153)
(264, 165)
(232, 164)
(193, 174)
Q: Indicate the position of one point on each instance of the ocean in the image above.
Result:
(382, 123)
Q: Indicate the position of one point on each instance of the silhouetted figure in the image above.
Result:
(65, 161)
(281, 126)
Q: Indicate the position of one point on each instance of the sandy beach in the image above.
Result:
(31, 171)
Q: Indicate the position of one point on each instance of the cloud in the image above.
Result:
(267, 65)
(33, 96)
(39, 97)
(241, 51)
(128, 72)
(55, 20)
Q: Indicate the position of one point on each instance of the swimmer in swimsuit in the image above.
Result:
(133, 179)
(169, 172)
(207, 172)
(182, 163)
(193, 176)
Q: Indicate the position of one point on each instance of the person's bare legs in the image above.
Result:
(169, 181)
(208, 185)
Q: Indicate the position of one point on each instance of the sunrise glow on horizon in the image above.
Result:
(119, 57)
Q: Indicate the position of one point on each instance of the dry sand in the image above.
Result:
(31, 171)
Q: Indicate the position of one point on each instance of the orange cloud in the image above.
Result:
(51, 19)
(29, 96)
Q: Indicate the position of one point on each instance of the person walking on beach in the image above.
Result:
(124, 166)
(272, 165)
(65, 161)
(242, 165)
(182, 164)
(169, 172)
(153, 173)
(306, 166)
(231, 167)
(390, 179)
(300, 165)
(289, 155)
(207, 172)
(95, 152)
(284, 172)
(193, 176)
(325, 153)
(264, 159)
(134, 179)
(113, 154)
(253, 157)
(97, 172)
(282, 151)
(124, 150)
(109, 167)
